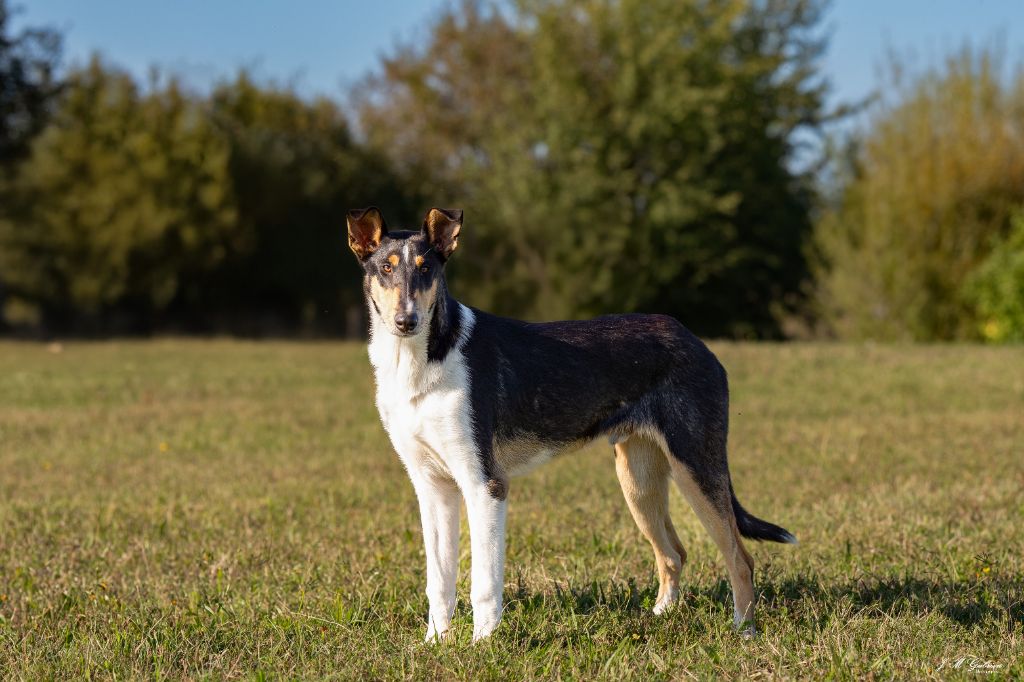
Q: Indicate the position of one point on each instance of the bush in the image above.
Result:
(927, 191)
(996, 288)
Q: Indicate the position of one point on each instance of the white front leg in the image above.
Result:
(439, 515)
(487, 537)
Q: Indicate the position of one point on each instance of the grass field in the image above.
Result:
(227, 509)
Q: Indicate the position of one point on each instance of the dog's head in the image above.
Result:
(403, 271)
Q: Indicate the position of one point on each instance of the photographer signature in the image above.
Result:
(969, 663)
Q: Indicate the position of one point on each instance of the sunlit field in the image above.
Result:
(233, 510)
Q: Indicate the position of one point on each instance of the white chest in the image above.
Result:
(423, 405)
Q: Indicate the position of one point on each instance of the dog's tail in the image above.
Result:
(754, 528)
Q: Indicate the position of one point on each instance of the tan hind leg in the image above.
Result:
(674, 537)
(717, 517)
(643, 474)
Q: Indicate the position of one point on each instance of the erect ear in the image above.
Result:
(442, 227)
(366, 229)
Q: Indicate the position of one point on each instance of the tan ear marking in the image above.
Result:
(442, 227)
(366, 229)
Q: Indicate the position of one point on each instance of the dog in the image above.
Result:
(470, 400)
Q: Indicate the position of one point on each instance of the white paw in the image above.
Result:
(745, 628)
(666, 602)
(484, 630)
(434, 635)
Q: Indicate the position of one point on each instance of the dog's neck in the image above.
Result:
(445, 325)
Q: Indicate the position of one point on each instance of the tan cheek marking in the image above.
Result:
(424, 302)
(393, 259)
(387, 299)
(391, 300)
(419, 261)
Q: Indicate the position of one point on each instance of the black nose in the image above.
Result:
(406, 322)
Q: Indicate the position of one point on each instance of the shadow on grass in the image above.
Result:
(967, 602)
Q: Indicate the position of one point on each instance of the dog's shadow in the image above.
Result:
(967, 602)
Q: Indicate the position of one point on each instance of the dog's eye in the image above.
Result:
(424, 269)
(386, 268)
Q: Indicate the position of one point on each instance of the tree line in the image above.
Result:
(924, 238)
(649, 155)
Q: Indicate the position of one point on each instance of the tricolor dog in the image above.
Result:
(470, 400)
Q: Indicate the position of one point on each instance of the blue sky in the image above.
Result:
(324, 45)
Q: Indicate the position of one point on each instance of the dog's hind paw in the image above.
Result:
(666, 602)
(746, 629)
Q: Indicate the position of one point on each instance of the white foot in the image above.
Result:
(745, 628)
(484, 630)
(435, 636)
(666, 602)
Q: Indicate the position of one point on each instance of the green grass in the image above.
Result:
(226, 509)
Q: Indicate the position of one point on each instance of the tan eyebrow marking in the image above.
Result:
(419, 261)
(394, 258)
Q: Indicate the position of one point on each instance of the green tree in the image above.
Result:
(626, 155)
(295, 169)
(124, 199)
(926, 191)
(28, 83)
